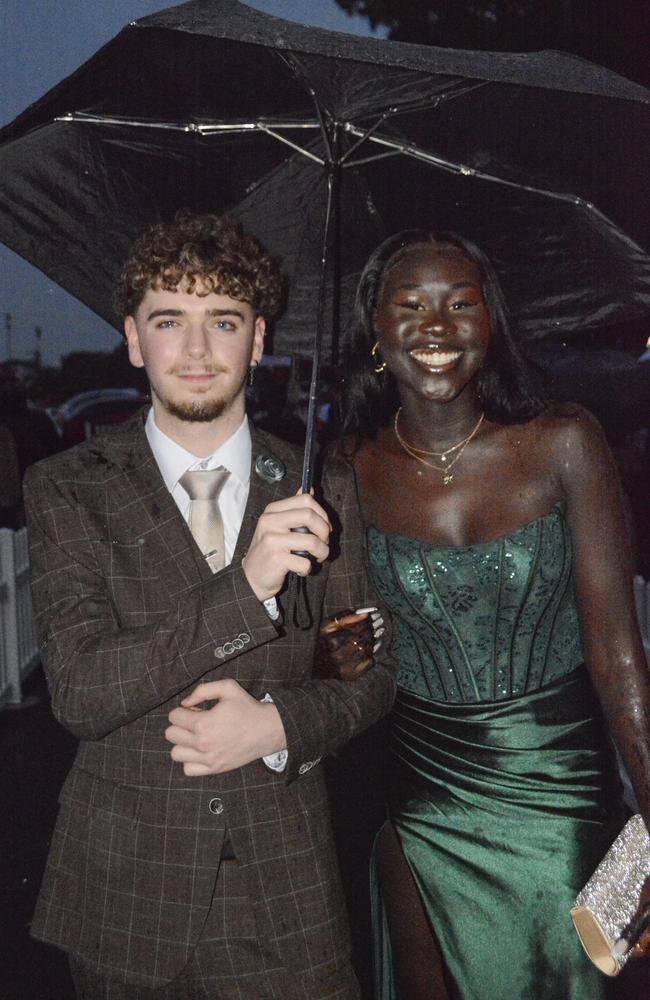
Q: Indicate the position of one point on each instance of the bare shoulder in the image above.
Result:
(375, 458)
(568, 430)
(575, 448)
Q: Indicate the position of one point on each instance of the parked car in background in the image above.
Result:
(89, 412)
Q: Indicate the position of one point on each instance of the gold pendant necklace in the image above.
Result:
(445, 470)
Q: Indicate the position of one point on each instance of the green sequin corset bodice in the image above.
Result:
(481, 622)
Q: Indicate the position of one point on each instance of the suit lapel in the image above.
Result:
(148, 511)
(261, 493)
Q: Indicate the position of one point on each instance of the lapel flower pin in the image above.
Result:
(269, 468)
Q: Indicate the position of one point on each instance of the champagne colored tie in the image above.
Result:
(206, 522)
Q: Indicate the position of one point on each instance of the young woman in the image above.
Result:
(497, 538)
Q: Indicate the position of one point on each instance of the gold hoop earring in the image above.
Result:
(378, 368)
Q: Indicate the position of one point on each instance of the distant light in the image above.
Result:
(647, 343)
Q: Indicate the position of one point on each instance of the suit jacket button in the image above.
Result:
(215, 806)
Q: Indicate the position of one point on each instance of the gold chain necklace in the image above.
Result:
(437, 454)
(447, 476)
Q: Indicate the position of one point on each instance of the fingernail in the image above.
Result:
(379, 632)
(364, 611)
(376, 647)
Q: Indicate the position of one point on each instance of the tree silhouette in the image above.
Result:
(613, 33)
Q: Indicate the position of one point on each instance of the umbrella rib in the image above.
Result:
(212, 129)
(83, 118)
(266, 126)
(461, 89)
(459, 168)
(428, 105)
(362, 138)
(420, 154)
(299, 74)
(294, 145)
(372, 159)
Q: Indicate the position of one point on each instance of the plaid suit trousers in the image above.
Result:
(228, 963)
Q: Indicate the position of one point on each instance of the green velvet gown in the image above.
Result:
(503, 788)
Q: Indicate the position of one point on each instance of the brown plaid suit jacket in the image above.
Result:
(131, 618)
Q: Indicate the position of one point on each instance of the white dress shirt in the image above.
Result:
(235, 455)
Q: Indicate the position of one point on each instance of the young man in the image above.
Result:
(208, 871)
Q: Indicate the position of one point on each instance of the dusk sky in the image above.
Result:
(41, 42)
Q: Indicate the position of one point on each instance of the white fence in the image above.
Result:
(18, 639)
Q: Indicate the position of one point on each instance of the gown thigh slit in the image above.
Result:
(415, 953)
(503, 786)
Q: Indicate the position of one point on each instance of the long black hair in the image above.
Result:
(507, 384)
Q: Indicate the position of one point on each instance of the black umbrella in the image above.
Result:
(320, 141)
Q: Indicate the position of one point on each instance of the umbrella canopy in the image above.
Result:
(214, 106)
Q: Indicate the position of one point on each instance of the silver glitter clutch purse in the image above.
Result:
(607, 903)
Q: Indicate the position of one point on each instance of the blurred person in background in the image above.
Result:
(27, 435)
(10, 485)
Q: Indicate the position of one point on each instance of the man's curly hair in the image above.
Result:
(208, 252)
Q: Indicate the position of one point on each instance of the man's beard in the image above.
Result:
(198, 411)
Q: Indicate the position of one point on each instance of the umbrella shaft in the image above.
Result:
(308, 459)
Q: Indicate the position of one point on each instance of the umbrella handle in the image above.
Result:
(305, 555)
(302, 614)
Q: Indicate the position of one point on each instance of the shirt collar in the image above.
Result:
(173, 460)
